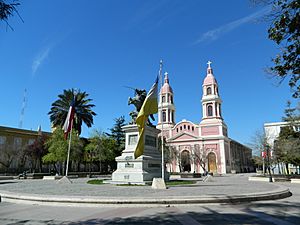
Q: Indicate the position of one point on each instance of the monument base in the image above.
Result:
(146, 167)
(158, 183)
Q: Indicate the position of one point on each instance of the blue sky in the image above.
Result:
(101, 46)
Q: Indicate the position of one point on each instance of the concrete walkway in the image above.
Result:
(224, 189)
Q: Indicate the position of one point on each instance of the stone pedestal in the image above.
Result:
(144, 168)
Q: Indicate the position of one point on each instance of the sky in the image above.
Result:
(102, 46)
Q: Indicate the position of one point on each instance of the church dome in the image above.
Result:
(166, 88)
(209, 79)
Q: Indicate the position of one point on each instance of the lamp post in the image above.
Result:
(268, 161)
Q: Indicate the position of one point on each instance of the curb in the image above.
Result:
(5, 196)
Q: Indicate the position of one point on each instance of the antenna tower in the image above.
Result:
(23, 108)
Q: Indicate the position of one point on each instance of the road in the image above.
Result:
(280, 212)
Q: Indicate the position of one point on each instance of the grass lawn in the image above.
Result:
(95, 181)
(180, 182)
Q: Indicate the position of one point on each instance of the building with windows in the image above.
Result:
(204, 146)
(12, 142)
(272, 130)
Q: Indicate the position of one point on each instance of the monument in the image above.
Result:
(147, 166)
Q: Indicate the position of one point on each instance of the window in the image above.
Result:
(164, 116)
(2, 140)
(209, 110)
(172, 117)
(171, 99)
(180, 127)
(188, 127)
(30, 141)
(17, 142)
(184, 126)
(177, 130)
(192, 128)
(163, 99)
(208, 91)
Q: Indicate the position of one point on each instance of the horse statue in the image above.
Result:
(137, 101)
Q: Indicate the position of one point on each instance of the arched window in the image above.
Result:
(172, 117)
(209, 110)
(163, 99)
(208, 91)
(164, 116)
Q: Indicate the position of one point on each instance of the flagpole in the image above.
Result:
(69, 148)
(162, 125)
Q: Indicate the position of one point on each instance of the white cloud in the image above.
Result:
(39, 59)
(214, 34)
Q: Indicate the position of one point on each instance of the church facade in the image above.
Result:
(205, 146)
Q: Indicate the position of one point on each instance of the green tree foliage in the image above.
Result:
(83, 109)
(35, 152)
(7, 10)
(292, 115)
(100, 149)
(58, 148)
(118, 135)
(285, 32)
(287, 145)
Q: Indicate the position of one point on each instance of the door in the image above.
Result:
(212, 163)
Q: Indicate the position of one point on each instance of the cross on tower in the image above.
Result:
(208, 63)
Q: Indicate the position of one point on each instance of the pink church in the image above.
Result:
(204, 146)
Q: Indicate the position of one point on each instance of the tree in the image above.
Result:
(58, 149)
(199, 156)
(260, 144)
(285, 32)
(7, 10)
(287, 145)
(101, 149)
(35, 152)
(117, 133)
(83, 109)
(292, 115)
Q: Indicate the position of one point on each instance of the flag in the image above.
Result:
(69, 120)
(149, 107)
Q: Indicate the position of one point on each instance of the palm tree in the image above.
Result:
(83, 110)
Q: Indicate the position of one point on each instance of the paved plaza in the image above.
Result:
(281, 211)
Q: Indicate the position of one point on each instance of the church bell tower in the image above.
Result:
(166, 108)
(212, 121)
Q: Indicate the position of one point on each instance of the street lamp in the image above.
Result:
(268, 152)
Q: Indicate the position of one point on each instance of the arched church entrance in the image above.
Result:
(212, 163)
(185, 161)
